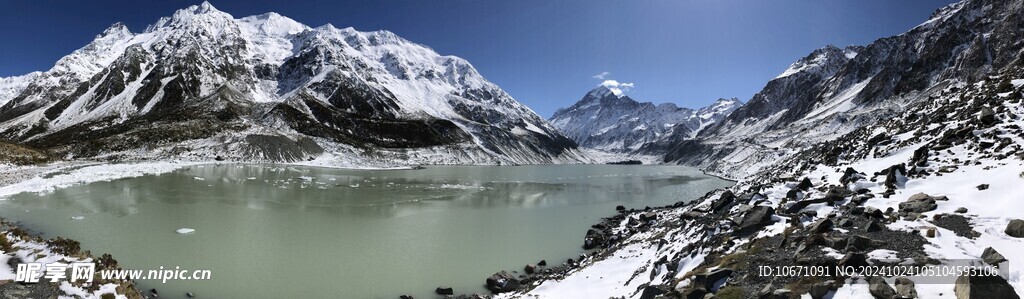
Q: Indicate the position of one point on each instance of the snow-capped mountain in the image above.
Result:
(834, 91)
(201, 83)
(614, 122)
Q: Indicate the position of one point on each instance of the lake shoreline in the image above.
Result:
(21, 245)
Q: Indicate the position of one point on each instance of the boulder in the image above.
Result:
(1015, 228)
(849, 176)
(542, 263)
(873, 226)
(905, 288)
(920, 157)
(444, 290)
(854, 259)
(650, 292)
(792, 194)
(987, 116)
(756, 218)
(822, 226)
(708, 279)
(648, 217)
(723, 201)
(805, 184)
(873, 212)
(835, 194)
(992, 257)
(502, 282)
(982, 187)
(919, 203)
(821, 289)
(893, 174)
(530, 268)
(620, 208)
(961, 210)
(979, 287)
(859, 242)
(880, 289)
(594, 239)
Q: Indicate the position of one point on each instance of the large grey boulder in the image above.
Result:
(1015, 228)
(905, 288)
(880, 289)
(983, 287)
(920, 203)
(502, 282)
(992, 257)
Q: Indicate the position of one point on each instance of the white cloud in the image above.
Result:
(602, 75)
(616, 87)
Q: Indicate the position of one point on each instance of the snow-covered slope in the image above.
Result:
(201, 83)
(611, 122)
(834, 91)
(933, 188)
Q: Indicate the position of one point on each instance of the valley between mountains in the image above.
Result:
(904, 151)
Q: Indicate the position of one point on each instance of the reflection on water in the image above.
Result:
(367, 233)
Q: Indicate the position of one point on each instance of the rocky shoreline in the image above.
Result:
(911, 191)
(20, 246)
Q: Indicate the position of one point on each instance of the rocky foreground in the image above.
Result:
(938, 186)
(19, 246)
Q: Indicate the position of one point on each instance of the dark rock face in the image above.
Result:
(502, 282)
(978, 287)
(1015, 228)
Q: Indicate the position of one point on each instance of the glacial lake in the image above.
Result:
(278, 231)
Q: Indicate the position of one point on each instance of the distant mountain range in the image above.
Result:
(613, 122)
(201, 84)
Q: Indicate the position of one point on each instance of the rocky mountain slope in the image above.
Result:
(931, 189)
(834, 91)
(202, 84)
(611, 122)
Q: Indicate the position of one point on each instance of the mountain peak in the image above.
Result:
(202, 8)
(115, 29)
(601, 91)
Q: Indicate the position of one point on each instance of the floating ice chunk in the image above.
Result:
(198, 178)
(77, 217)
(185, 230)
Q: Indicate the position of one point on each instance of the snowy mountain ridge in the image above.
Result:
(611, 122)
(834, 91)
(268, 88)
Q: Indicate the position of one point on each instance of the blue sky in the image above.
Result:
(544, 53)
